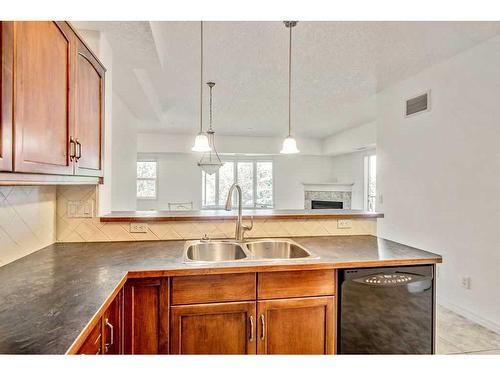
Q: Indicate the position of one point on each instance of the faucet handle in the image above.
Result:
(249, 227)
(205, 237)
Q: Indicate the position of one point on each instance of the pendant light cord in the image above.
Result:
(290, 84)
(210, 108)
(201, 77)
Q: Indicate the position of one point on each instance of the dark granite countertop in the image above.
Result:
(48, 297)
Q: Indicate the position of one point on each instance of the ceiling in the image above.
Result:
(337, 69)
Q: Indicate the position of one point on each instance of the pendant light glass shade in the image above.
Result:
(289, 146)
(201, 143)
(210, 161)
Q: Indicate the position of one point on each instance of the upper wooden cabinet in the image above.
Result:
(52, 105)
(42, 106)
(89, 113)
(5, 97)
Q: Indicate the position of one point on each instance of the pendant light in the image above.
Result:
(201, 143)
(289, 143)
(210, 161)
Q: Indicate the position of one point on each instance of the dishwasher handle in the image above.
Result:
(388, 280)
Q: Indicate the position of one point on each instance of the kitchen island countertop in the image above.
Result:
(48, 297)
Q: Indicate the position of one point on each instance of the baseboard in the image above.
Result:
(493, 326)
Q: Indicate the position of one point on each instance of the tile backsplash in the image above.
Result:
(92, 230)
(27, 220)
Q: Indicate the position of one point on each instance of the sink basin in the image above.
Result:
(276, 249)
(200, 251)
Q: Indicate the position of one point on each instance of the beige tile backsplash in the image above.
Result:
(92, 230)
(27, 220)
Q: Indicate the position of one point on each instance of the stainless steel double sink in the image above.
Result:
(230, 250)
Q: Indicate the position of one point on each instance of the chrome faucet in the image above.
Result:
(239, 233)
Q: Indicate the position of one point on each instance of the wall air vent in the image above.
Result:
(417, 104)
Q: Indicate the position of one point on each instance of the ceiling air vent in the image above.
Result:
(417, 104)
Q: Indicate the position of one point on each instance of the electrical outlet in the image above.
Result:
(465, 282)
(344, 224)
(138, 228)
(80, 208)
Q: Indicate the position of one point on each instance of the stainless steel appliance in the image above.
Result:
(386, 310)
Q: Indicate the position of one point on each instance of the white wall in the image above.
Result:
(351, 140)
(179, 179)
(439, 175)
(351, 168)
(124, 157)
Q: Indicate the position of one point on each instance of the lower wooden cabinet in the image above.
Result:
(282, 326)
(296, 326)
(142, 319)
(93, 343)
(112, 326)
(146, 316)
(216, 328)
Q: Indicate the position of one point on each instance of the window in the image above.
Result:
(254, 176)
(146, 179)
(370, 182)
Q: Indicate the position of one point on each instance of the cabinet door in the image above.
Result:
(42, 105)
(216, 328)
(112, 326)
(93, 343)
(6, 57)
(296, 326)
(146, 316)
(89, 113)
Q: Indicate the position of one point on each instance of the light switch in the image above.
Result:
(80, 208)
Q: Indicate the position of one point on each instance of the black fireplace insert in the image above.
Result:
(326, 204)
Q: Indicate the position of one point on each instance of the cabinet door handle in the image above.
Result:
(111, 328)
(72, 149)
(79, 148)
(251, 328)
(263, 324)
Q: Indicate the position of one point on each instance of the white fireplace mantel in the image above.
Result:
(328, 186)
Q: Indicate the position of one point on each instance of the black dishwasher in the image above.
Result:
(386, 310)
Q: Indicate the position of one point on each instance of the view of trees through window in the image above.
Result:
(146, 179)
(255, 178)
(371, 182)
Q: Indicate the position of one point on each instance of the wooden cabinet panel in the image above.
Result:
(218, 328)
(289, 284)
(89, 113)
(93, 342)
(42, 106)
(146, 316)
(213, 288)
(296, 326)
(6, 59)
(112, 326)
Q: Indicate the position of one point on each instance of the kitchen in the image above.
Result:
(179, 187)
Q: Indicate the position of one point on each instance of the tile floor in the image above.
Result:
(458, 335)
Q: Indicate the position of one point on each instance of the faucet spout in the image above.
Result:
(240, 229)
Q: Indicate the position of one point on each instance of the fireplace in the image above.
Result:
(315, 204)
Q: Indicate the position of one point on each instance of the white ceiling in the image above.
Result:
(337, 69)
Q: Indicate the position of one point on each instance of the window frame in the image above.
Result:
(235, 161)
(137, 178)
(366, 196)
